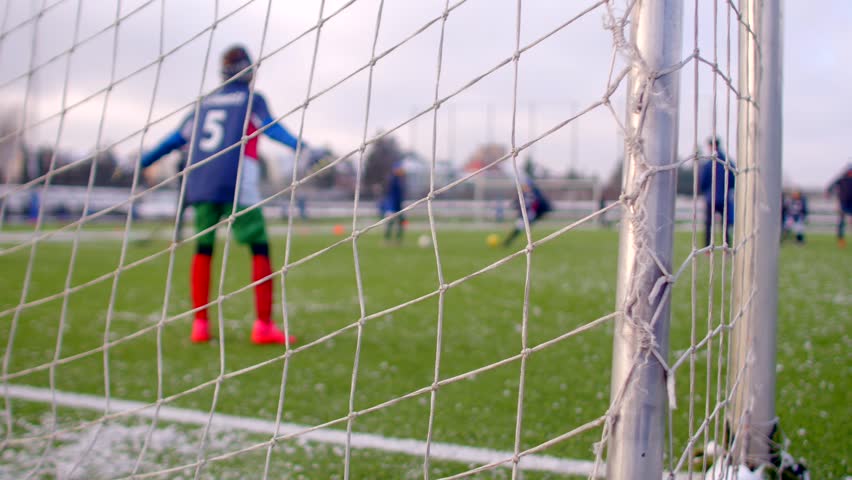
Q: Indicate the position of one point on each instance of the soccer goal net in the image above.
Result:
(388, 239)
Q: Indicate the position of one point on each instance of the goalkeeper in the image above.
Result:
(537, 205)
(216, 132)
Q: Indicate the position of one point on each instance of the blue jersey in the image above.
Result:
(217, 133)
(842, 187)
(394, 195)
(534, 200)
(797, 208)
(705, 180)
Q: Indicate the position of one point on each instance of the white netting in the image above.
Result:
(504, 81)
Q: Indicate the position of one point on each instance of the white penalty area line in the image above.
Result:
(437, 451)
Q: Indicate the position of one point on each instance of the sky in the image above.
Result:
(564, 73)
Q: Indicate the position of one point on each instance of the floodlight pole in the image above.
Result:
(638, 403)
(751, 374)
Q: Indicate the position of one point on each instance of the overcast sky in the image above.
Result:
(567, 72)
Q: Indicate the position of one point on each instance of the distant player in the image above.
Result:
(842, 188)
(785, 202)
(796, 215)
(537, 206)
(720, 198)
(210, 188)
(391, 202)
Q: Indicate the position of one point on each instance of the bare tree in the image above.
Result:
(11, 152)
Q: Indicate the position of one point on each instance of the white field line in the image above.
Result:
(65, 237)
(439, 451)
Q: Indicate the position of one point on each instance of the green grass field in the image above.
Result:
(567, 384)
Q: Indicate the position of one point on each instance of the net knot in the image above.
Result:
(642, 333)
(616, 27)
(628, 198)
(633, 145)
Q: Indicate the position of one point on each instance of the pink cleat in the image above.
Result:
(266, 333)
(200, 331)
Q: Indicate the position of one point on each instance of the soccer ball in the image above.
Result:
(424, 241)
(492, 240)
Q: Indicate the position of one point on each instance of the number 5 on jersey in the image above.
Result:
(213, 130)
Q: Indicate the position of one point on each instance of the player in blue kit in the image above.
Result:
(536, 205)
(391, 202)
(796, 209)
(842, 187)
(718, 197)
(216, 133)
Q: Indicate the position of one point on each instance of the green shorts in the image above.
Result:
(249, 228)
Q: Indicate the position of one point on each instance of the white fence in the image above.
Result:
(68, 202)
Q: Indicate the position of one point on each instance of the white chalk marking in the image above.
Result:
(438, 451)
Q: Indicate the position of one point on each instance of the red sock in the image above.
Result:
(262, 291)
(199, 282)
